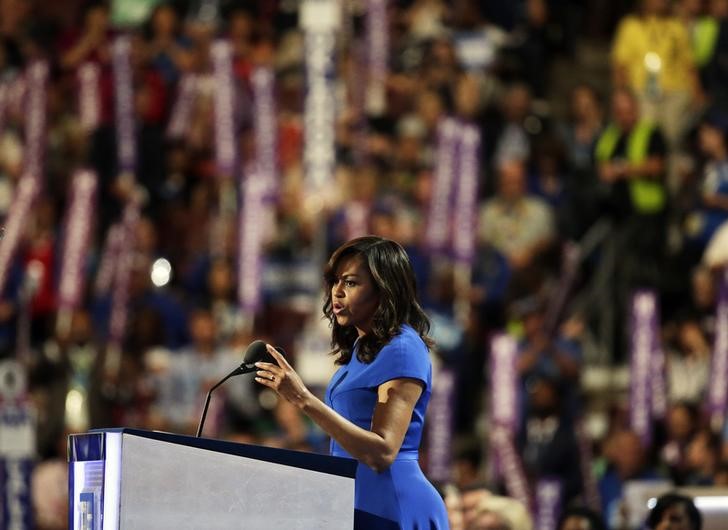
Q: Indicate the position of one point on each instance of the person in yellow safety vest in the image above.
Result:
(631, 153)
(630, 160)
(704, 39)
(702, 25)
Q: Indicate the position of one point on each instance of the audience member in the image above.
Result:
(702, 457)
(542, 356)
(627, 459)
(514, 140)
(680, 426)
(651, 55)
(518, 225)
(674, 511)
(579, 135)
(711, 209)
(547, 441)
(580, 518)
(688, 364)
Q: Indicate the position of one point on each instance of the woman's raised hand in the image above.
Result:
(282, 378)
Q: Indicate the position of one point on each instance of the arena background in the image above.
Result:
(173, 177)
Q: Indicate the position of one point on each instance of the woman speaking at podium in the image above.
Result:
(376, 401)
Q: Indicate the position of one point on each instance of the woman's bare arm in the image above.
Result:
(377, 447)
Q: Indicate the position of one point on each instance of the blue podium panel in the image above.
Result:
(94, 466)
(129, 479)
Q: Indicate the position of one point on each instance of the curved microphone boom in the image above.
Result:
(255, 352)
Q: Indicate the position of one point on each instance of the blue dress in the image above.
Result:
(401, 496)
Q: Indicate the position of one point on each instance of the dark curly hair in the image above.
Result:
(596, 522)
(667, 501)
(395, 283)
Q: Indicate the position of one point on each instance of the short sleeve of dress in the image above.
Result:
(405, 356)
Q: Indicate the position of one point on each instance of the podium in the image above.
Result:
(133, 479)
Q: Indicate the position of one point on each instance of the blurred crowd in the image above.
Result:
(589, 187)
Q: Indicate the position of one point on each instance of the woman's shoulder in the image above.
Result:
(405, 355)
(406, 345)
(407, 336)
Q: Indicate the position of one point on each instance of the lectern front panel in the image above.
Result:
(129, 479)
(175, 486)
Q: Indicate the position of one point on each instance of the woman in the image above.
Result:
(376, 402)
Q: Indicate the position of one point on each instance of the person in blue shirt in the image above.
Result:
(711, 210)
(628, 460)
(375, 403)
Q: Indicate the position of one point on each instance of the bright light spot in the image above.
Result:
(653, 62)
(161, 272)
(75, 413)
(711, 503)
(719, 502)
(74, 402)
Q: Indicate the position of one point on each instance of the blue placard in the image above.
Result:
(17, 449)
(16, 509)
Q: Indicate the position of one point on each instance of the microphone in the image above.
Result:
(256, 351)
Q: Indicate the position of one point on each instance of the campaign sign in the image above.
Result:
(17, 448)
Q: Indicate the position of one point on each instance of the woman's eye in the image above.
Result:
(349, 283)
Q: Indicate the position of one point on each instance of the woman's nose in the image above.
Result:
(337, 290)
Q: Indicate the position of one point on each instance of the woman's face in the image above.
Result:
(354, 297)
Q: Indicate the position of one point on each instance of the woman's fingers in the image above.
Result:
(265, 381)
(268, 378)
(267, 366)
(280, 377)
(280, 359)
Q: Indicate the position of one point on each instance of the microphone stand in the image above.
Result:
(245, 368)
(207, 400)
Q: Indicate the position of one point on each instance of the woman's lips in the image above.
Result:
(338, 308)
